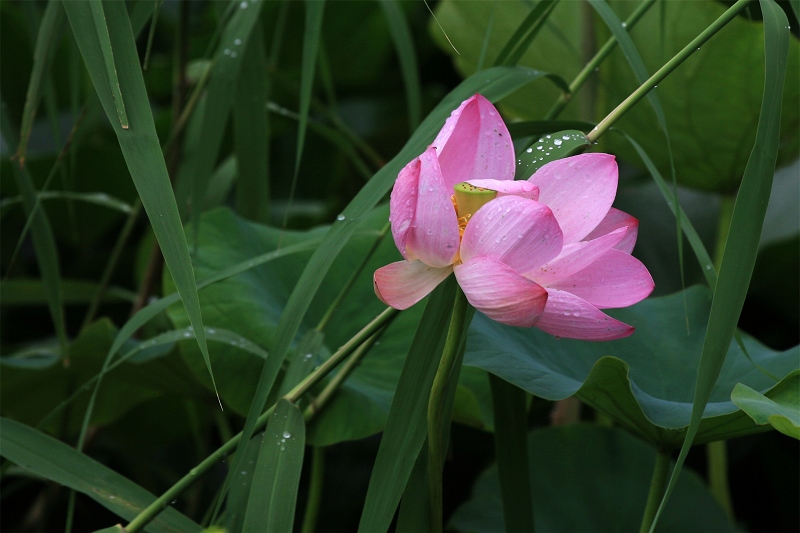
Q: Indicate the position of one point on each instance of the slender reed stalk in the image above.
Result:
(152, 510)
(657, 485)
(436, 408)
(584, 75)
(349, 284)
(716, 451)
(314, 490)
(113, 259)
(667, 69)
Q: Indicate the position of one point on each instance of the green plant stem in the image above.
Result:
(152, 510)
(319, 402)
(116, 252)
(667, 69)
(350, 282)
(657, 485)
(599, 57)
(436, 408)
(717, 454)
(314, 490)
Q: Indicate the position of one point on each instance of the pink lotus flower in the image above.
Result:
(549, 252)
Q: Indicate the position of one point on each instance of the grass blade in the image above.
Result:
(140, 145)
(741, 246)
(273, 495)
(99, 18)
(220, 94)
(311, 38)
(251, 132)
(522, 38)
(50, 32)
(57, 462)
(42, 236)
(625, 42)
(96, 198)
(406, 426)
(403, 42)
(511, 451)
(699, 249)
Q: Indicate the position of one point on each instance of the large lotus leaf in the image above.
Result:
(591, 478)
(781, 412)
(32, 383)
(556, 49)
(644, 382)
(711, 102)
(251, 304)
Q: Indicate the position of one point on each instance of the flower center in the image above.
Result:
(467, 200)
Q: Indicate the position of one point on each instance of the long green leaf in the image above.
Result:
(47, 40)
(25, 291)
(96, 198)
(228, 63)
(42, 235)
(139, 143)
(625, 42)
(251, 132)
(273, 495)
(741, 246)
(699, 249)
(312, 35)
(406, 427)
(55, 461)
(403, 42)
(511, 451)
(519, 42)
(494, 84)
(101, 28)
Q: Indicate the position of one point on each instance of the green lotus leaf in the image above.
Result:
(591, 478)
(644, 382)
(782, 411)
(251, 304)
